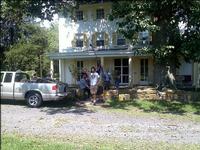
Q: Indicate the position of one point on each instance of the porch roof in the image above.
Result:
(95, 54)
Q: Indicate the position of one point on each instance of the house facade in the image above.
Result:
(90, 38)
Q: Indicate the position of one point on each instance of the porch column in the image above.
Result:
(130, 66)
(51, 68)
(61, 70)
(102, 62)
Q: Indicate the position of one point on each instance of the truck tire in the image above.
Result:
(34, 100)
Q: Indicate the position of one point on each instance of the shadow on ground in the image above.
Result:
(161, 106)
(64, 106)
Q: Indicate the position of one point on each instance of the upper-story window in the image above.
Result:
(120, 39)
(79, 40)
(79, 15)
(144, 37)
(100, 13)
(100, 39)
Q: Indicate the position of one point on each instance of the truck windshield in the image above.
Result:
(21, 77)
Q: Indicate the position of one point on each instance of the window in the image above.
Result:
(79, 40)
(1, 77)
(100, 13)
(144, 37)
(144, 69)
(121, 67)
(120, 40)
(79, 69)
(8, 77)
(100, 39)
(21, 77)
(79, 15)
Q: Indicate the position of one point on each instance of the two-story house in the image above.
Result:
(91, 37)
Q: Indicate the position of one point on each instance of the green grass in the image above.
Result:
(161, 106)
(16, 142)
(167, 109)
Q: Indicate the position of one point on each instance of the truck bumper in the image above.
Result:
(52, 97)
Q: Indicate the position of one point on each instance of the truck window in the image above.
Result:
(21, 77)
(1, 77)
(8, 77)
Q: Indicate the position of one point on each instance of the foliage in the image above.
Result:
(30, 51)
(53, 39)
(162, 19)
(15, 13)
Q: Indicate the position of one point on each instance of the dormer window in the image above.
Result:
(100, 39)
(79, 40)
(79, 15)
(121, 40)
(100, 13)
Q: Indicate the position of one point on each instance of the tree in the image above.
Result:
(14, 13)
(162, 18)
(29, 53)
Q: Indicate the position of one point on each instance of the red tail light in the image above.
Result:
(54, 87)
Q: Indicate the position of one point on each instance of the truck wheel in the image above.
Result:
(34, 100)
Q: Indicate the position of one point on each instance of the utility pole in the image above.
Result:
(41, 66)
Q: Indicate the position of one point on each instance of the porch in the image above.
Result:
(134, 69)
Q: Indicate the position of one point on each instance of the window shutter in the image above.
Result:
(136, 36)
(106, 38)
(150, 37)
(114, 38)
(74, 41)
(106, 13)
(94, 39)
(85, 40)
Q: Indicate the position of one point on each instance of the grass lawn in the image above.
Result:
(156, 108)
(16, 142)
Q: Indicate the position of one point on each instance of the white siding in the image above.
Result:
(67, 29)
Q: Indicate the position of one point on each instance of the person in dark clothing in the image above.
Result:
(106, 80)
(84, 87)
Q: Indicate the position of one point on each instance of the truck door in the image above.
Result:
(7, 86)
(1, 80)
(20, 85)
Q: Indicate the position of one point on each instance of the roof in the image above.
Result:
(94, 54)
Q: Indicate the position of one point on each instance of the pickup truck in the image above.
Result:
(18, 86)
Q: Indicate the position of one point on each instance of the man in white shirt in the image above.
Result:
(94, 81)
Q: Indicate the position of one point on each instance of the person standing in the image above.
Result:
(94, 81)
(84, 87)
(106, 80)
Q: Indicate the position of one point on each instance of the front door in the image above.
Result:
(121, 66)
(144, 75)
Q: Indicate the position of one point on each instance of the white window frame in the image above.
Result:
(122, 68)
(79, 65)
(120, 37)
(100, 13)
(79, 37)
(100, 37)
(79, 15)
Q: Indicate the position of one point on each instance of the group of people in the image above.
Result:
(93, 83)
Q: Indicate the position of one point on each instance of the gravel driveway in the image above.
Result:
(61, 121)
